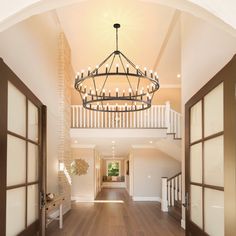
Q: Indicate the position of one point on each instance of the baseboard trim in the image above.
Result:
(113, 185)
(82, 199)
(146, 199)
(183, 224)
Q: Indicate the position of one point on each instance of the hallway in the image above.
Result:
(115, 214)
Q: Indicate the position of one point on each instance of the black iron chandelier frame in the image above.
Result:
(95, 100)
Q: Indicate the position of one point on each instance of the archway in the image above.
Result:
(12, 13)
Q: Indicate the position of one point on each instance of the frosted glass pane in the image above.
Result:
(214, 161)
(32, 122)
(15, 211)
(196, 163)
(196, 205)
(16, 161)
(32, 162)
(32, 214)
(196, 122)
(214, 212)
(214, 111)
(16, 111)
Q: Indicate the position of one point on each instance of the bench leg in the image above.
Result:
(60, 217)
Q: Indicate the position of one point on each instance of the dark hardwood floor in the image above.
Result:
(121, 218)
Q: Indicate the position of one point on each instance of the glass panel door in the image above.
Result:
(22, 153)
(205, 164)
(22, 162)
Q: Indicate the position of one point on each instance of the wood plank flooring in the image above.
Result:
(122, 217)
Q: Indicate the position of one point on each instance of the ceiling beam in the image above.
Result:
(173, 22)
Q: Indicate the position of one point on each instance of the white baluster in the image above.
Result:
(72, 116)
(130, 119)
(95, 119)
(176, 188)
(84, 117)
(87, 118)
(145, 118)
(167, 116)
(172, 193)
(109, 119)
(77, 116)
(123, 118)
(80, 116)
(169, 194)
(180, 187)
(98, 119)
(164, 201)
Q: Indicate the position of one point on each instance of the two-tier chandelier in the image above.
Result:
(117, 84)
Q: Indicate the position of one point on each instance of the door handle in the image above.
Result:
(42, 200)
(186, 203)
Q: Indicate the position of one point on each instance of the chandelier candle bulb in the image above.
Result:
(129, 92)
(82, 73)
(123, 93)
(103, 92)
(127, 68)
(107, 68)
(97, 69)
(151, 73)
(89, 69)
(117, 68)
(137, 69)
(117, 92)
(145, 71)
(109, 93)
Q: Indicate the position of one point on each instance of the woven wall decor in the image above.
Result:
(79, 167)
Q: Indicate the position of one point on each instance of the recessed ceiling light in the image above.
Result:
(178, 75)
(75, 141)
(113, 142)
(150, 142)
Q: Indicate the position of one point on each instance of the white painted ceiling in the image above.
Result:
(144, 29)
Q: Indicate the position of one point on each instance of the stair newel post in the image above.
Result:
(164, 195)
(167, 116)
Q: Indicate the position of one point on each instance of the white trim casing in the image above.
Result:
(183, 224)
(146, 199)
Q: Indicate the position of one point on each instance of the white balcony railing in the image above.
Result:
(157, 117)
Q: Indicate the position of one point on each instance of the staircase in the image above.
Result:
(172, 196)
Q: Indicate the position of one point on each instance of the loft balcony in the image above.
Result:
(159, 119)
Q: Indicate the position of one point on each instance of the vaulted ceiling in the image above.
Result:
(149, 35)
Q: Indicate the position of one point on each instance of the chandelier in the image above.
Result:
(117, 84)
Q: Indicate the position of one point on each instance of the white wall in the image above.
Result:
(205, 50)
(83, 186)
(30, 49)
(149, 166)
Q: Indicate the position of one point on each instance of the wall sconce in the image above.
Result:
(61, 166)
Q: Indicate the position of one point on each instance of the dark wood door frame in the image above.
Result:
(228, 76)
(6, 74)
